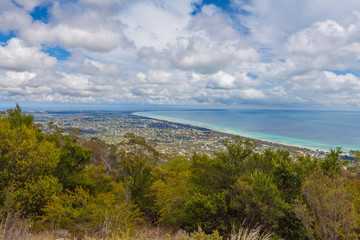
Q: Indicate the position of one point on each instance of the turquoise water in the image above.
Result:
(312, 129)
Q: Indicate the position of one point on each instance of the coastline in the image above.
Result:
(232, 134)
(170, 137)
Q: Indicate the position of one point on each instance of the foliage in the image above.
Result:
(92, 188)
(171, 191)
(23, 158)
(27, 163)
(32, 198)
(136, 173)
(326, 210)
(17, 118)
(331, 164)
(201, 235)
(354, 165)
(70, 169)
(101, 181)
(206, 211)
(79, 211)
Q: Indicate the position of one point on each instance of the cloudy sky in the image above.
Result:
(228, 53)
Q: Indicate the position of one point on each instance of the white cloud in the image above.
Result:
(155, 24)
(270, 22)
(11, 78)
(103, 2)
(322, 37)
(71, 37)
(221, 80)
(157, 51)
(156, 77)
(205, 56)
(58, 87)
(209, 45)
(30, 4)
(330, 82)
(252, 93)
(325, 45)
(209, 10)
(22, 85)
(81, 64)
(19, 57)
(80, 86)
(12, 18)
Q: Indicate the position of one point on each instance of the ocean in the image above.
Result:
(321, 130)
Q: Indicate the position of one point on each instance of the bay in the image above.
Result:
(321, 130)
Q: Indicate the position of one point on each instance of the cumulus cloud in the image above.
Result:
(208, 45)
(204, 56)
(326, 44)
(320, 38)
(30, 4)
(271, 22)
(79, 25)
(317, 88)
(156, 24)
(79, 86)
(19, 57)
(22, 84)
(57, 87)
(103, 2)
(155, 77)
(328, 82)
(182, 52)
(91, 39)
(79, 63)
(221, 80)
(252, 93)
(12, 18)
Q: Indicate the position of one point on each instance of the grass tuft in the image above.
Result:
(13, 227)
(250, 234)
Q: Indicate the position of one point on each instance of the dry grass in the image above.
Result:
(250, 234)
(13, 227)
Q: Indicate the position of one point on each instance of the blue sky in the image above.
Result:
(211, 53)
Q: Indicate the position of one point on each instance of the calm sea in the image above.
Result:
(312, 129)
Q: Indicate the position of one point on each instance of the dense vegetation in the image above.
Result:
(57, 180)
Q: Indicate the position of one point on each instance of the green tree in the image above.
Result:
(70, 169)
(331, 165)
(136, 173)
(34, 196)
(171, 190)
(326, 210)
(106, 214)
(209, 212)
(17, 118)
(27, 163)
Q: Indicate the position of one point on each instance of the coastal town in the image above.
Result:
(171, 138)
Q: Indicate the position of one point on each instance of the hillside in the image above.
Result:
(54, 183)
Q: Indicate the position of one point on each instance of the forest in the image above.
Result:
(55, 180)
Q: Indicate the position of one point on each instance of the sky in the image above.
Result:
(212, 53)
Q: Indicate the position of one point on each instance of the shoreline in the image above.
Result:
(255, 140)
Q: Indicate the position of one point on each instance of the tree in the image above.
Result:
(209, 212)
(70, 169)
(136, 173)
(331, 164)
(326, 210)
(34, 196)
(171, 190)
(27, 164)
(17, 118)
